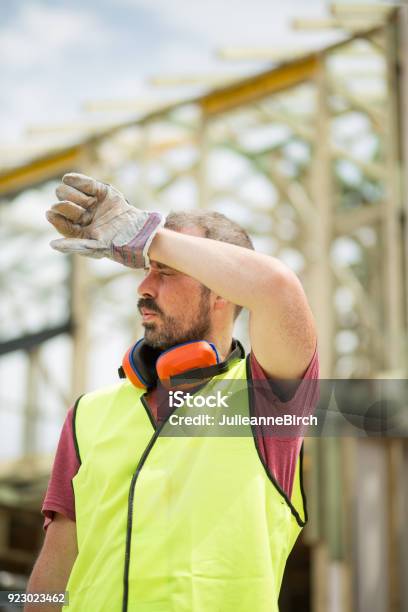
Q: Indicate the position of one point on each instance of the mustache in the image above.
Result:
(150, 304)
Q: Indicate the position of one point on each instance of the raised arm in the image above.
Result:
(282, 329)
(97, 221)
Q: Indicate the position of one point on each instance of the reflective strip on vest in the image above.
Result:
(175, 524)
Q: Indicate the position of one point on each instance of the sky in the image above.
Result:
(56, 55)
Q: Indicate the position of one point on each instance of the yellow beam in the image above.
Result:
(253, 88)
(39, 170)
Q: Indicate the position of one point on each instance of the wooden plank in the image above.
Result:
(320, 279)
(4, 530)
(327, 23)
(80, 318)
(31, 407)
(403, 484)
(403, 56)
(271, 54)
(349, 221)
(396, 521)
(321, 274)
(362, 9)
(202, 177)
(371, 527)
(393, 274)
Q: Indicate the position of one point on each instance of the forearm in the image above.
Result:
(240, 275)
(55, 561)
(45, 579)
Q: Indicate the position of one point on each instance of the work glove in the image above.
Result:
(97, 221)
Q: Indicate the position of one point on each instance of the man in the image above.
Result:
(143, 521)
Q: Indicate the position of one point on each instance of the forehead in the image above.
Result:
(192, 231)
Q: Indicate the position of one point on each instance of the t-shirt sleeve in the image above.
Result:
(59, 496)
(279, 453)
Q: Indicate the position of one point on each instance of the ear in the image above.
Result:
(220, 303)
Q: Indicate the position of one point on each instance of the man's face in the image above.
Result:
(175, 308)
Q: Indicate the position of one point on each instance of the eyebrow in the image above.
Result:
(160, 266)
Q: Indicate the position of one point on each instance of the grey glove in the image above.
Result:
(97, 221)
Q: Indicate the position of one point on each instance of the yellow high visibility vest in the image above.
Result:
(169, 523)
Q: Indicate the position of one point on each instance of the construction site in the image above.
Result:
(311, 157)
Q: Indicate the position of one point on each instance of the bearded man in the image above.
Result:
(136, 518)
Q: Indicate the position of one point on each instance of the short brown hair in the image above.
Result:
(214, 225)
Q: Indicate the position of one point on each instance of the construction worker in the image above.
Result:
(139, 519)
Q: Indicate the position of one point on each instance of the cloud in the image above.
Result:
(46, 54)
(233, 21)
(39, 33)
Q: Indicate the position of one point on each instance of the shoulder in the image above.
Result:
(103, 399)
(95, 407)
(102, 393)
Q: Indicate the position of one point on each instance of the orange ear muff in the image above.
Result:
(131, 371)
(181, 366)
(185, 357)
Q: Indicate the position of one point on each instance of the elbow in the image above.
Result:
(280, 284)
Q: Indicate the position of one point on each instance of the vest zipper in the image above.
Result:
(130, 515)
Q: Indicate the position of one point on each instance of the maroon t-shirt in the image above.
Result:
(279, 454)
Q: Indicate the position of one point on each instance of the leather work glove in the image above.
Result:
(97, 221)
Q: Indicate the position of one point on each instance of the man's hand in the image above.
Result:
(96, 220)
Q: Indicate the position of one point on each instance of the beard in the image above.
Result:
(172, 330)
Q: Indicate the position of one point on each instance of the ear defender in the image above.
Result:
(139, 365)
(182, 365)
(184, 358)
(127, 370)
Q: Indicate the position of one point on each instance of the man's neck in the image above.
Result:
(223, 346)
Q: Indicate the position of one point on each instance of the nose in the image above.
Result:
(148, 287)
